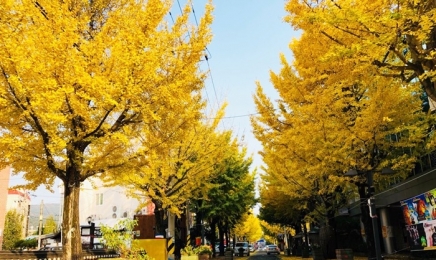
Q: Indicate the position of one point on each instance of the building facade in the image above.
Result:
(103, 204)
(4, 184)
(406, 211)
(20, 202)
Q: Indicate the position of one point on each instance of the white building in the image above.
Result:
(19, 201)
(104, 203)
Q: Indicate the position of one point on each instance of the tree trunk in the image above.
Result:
(367, 222)
(180, 235)
(199, 229)
(160, 217)
(221, 239)
(212, 225)
(305, 243)
(327, 236)
(71, 237)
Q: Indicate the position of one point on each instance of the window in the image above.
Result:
(99, 199)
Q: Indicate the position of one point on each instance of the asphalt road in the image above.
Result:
(258, 255)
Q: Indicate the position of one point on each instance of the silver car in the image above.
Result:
(242, 248)
(272, 249)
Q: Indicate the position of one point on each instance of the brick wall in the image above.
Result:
(4, 184)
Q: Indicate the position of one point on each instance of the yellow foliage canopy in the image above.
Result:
(337, 109)
(249, 227)
(91, 88)
(86, 84)
(397, 37)
(179, 169)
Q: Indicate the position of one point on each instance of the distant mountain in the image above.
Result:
(49, 209)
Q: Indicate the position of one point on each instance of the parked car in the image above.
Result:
(242, 247)
(272, 249)
(251, 247)
(217, 248)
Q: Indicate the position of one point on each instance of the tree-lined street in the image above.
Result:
(113, 90)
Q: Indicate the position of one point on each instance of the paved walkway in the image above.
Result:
(285, 257)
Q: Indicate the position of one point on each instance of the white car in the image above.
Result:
(272, 249)
(242, 247)
(217, 248)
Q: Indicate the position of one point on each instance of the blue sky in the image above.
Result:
(249, 36)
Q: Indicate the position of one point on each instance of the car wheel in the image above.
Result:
(268, 253)
(248, 254)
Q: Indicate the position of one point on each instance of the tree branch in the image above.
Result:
(333, 39)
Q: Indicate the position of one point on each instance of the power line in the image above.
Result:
(181, 11)
(237, 116)
(195, 16)
(172, 18)
(211, 79)
(206, 57)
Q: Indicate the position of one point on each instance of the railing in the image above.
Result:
(54, 255)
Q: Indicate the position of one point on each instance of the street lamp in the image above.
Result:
(91, 232)
(371, 204)
(373, 214)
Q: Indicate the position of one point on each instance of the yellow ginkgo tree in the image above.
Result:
(360, 69)
(179, 170)
(248, 228)
(91, 88)
(396, 37)
(336, 112)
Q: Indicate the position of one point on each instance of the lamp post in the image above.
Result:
(371, 205)
(373, 214)
(91, 232)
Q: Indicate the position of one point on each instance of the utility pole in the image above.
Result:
(28, 220)
(40, 225)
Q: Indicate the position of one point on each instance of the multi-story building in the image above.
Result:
(107, 204)
(19, 201)
(4, 184)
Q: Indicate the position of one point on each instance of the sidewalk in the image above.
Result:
(285, 257)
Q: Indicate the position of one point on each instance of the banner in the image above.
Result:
(419, 214)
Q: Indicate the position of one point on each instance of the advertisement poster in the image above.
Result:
(419, 214)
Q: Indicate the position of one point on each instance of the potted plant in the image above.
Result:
(188, 253)
(204, 252)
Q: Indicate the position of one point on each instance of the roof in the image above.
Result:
(19, 193)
